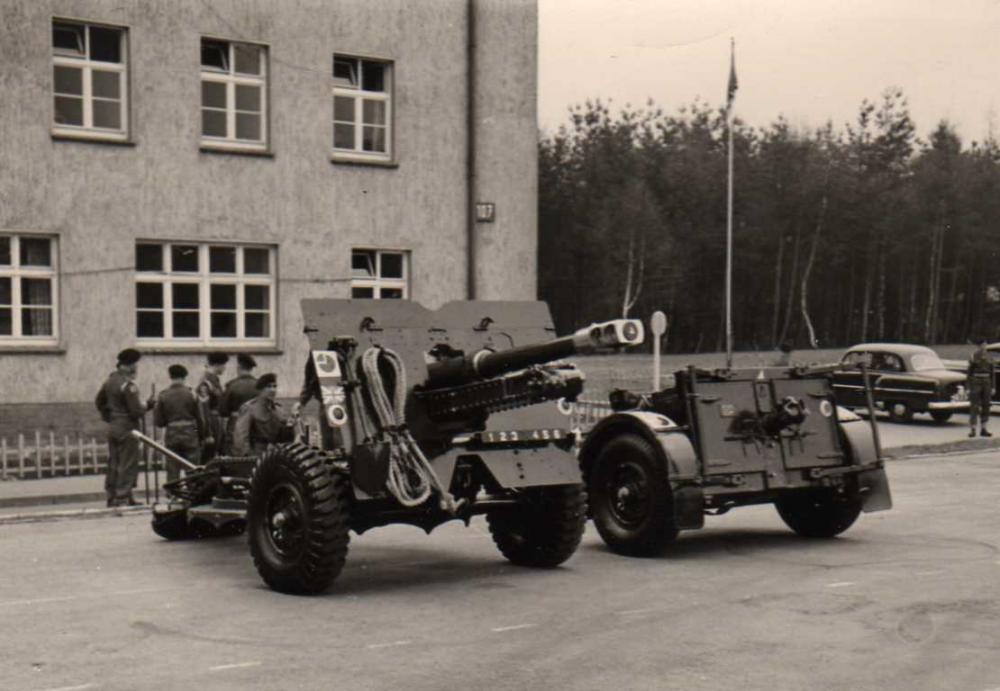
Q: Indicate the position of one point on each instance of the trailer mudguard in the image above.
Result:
(675, 451)
(872, 483)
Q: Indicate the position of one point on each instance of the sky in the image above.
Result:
(809, 60)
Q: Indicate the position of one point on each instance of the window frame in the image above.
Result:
(231, 78)
(204, 278)
(15, 272)
(87, 66)
(357, 154)
(378, 283)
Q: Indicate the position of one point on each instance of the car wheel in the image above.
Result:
(899, 411)
(630, 497)
(941, 416)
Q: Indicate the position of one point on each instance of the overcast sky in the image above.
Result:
(811, 60)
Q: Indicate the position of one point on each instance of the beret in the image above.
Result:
(129, 356)
(246, 361)
(177, 371)
(217, 358)
(266, 380)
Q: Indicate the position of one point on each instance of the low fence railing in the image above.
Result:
(44, 455)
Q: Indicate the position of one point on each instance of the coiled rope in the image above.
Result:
(411, 476)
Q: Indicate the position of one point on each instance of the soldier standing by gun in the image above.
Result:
(209, 393)
(261, 421)
(238, 391)
(119, 405)
(979, 381)
(177, 411)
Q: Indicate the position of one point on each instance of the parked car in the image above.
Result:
(905, 379)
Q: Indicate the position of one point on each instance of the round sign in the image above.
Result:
(326, 363)
(658, 323)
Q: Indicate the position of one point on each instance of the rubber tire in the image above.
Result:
(941, 416)
(818, 514)
(658, 529)
(905, 416)
(173, 525)
(545, 530)
(326, 498)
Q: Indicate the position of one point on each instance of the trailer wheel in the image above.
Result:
(819, 514)
(298, 518)
(545, 529)
(630, 497)
(172, 525)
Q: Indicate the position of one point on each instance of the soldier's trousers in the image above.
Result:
(979, 406)
(123, 466)
(185, 445)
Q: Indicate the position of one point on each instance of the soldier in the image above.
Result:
(261, 421)
(209, 395)
(238, 391)
(979, 381)
(119, 405)
(177, 411)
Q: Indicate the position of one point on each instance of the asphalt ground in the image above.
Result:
(907, 599)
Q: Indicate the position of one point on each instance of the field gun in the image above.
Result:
(425, 416)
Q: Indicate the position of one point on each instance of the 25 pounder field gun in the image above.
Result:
(425, 416)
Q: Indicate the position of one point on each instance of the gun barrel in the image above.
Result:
(486, 364)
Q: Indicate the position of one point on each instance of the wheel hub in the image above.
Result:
(285, 520)
(628, 492)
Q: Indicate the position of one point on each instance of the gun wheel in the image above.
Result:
(820, 514)
(631, 500)
(298, 520)
(545, 530)
(172, 525)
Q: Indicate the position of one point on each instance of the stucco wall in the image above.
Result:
(100, 198)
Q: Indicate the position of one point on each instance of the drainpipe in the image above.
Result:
(470, 149)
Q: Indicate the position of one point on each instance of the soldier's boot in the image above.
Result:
(984, 433)
(972, 432)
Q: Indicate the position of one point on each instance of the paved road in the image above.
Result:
(908, 599)
(922, 430)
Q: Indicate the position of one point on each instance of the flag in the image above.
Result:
(733, 84)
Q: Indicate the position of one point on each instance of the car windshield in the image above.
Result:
(926, 361)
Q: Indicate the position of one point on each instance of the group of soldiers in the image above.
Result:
(239, 418)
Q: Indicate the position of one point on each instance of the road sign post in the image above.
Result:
(658, 325)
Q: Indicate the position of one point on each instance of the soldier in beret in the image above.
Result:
(262, 421)
(177, 410)
(118, 403)
(209, 393)
(238, 391)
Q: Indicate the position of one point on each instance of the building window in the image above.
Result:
(362, 108)
(28, 290)
(380, 274)
(89, 80)
(233, 95)
(204, 294)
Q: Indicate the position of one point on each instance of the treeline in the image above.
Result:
(867, 233)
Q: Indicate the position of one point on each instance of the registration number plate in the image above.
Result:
(522, 435)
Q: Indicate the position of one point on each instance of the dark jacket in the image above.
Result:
(177, 410)
(238, 391)
(119, 405)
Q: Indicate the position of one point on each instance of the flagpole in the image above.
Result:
(729, 225)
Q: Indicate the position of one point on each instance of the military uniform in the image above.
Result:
(177, 411)
(979, 381)
(209, 396)
(119, 405)
(268, 424)
(238, 391)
